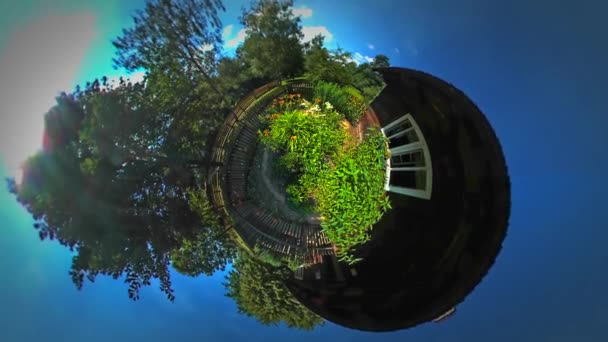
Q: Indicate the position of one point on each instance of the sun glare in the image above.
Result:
(41, 58)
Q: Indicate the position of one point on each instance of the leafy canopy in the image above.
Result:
(186, 31)
(109, 185)
(272, 47)
(259, 291)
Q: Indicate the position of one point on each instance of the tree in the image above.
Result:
(367, 80)
(330, 66)
(110, 185)
(381, 61)
(169, 33)
(259, 291)
(209, 249)
(177, 42)
(272, 48)
(120, 177)
(234, 76)
(193, 112)
(338, 67)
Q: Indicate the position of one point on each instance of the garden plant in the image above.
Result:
(336, 174)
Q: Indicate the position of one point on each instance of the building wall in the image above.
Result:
(426, 256)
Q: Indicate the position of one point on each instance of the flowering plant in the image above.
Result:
(343, 179)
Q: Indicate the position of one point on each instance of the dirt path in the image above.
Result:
(280, 196)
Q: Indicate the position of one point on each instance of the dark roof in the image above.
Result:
(425, 256)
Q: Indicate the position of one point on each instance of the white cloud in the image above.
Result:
(371, 46)
(302, 11)
(352, 60)
(240, 37)
(207, 47)
(311, 31)
(358, 58)
(40, 59)
(227, 31)
(134, 77)
(396, 50)
(137, 76)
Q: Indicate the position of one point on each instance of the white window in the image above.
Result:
(408, 170)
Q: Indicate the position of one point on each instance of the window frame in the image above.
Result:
(420, 145)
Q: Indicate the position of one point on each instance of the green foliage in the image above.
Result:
(260, 292)
(210, 249)
(323, 65)
(111, 188)
(332, 93)
(272, 48)
(169, 31)
(293, 264)
(351, 195)
(120, 175)
(344, 180)
(308, 137)
(381, 61)
(345, 99)
(355, 108)
(368, 81)
(206, 253)
(328, 66)
(267, 257)
(200, 204)
(176, 42)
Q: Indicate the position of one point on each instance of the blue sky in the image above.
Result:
(538, 71)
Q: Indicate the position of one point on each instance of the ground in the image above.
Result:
(268, 189)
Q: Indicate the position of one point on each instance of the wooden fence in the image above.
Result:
(234, 148)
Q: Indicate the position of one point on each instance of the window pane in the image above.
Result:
(402, 140)
(414, 158)
(409, 179)
(406, 179)
(402, 126)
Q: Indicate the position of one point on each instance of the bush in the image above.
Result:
(355, 109)
(267, 257)
(344, 181)
(332, 93)
(347, 101)
(307, 139)
(351, 195)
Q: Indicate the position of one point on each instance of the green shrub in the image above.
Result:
(332, 93)
(344, 181)
(347, 101)
(293, 264)
(351, 196)
(266, 257)
(352, 91)
(284, 103)
(354, 110)
(307, 139)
